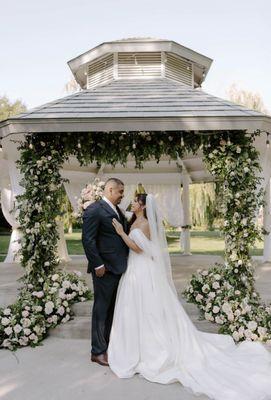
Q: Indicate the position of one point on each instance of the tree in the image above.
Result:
(246, 98)
(9, 108)
(72, 86)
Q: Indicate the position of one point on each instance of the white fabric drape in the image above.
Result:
(10, 188)
(168, 198)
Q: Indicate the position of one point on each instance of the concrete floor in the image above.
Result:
(61, 368)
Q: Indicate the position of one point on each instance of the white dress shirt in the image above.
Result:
(111, 205)
(116, 211)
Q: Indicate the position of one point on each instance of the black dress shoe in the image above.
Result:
(100, 359)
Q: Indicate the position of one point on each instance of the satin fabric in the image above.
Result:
(153, 336)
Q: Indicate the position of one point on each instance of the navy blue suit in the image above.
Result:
(103, 245)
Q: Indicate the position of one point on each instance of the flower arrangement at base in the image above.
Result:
(27, 321)
(226, 294)
(239, 313)
(92, 192)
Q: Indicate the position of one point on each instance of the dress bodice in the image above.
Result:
(142, 241)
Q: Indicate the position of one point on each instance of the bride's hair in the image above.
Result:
(141, 198)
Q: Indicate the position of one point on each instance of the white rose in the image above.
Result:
(54, 319)
(66, 318)
(237, 313)
(217, 277)
(216, 285)
(233, 256)
(235, 336)
(66, 284)
(27, 331)
(17, 328)
(247, 333)
(25, 313)
(8, 330)
(209, 317)
(23, 341)
(5, 321)
(226, 307)
(262, 330)
(61, 310)
(199, 297)
(205, 288)
(37, 329)
(38, 294)
(252, 325)
(218, 320)
(55, 277)
(216, 309)
(33, 336)
(230, 316)
(204, 273)
(26, 322)
(6, 343)
(7, 311)
(212, 295)
(74, 286)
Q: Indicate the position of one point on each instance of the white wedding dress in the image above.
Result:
(152, 335)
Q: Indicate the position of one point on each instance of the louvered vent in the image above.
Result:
(100, 71)
(178, 69)
(139, 65)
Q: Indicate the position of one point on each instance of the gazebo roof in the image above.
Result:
(154, 104)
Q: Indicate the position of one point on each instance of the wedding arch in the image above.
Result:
(141, 103)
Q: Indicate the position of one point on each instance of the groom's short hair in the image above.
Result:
(115, 180)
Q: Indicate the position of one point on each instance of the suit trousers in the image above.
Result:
(105, 291)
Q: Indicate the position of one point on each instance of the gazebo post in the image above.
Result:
(185, 234)
(267, 224)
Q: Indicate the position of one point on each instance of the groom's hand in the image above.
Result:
(100, 272)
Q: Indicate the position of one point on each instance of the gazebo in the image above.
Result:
(135, 85)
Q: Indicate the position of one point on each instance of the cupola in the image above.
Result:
(139, 58)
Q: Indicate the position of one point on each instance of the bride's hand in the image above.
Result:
(117, 226)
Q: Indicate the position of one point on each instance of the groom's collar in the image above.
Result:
(109, 202)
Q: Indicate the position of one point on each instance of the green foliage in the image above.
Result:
(9, 109)
(231, 158)
(226, 294)
(204, 205)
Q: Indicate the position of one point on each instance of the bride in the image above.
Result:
(152, 335)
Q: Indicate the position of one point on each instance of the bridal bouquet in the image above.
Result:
(91, 193)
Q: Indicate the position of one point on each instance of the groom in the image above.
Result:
(107, 259)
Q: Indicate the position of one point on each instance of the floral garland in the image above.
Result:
(226, 293)
(42, 155)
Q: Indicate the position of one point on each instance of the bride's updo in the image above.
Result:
(141, 198)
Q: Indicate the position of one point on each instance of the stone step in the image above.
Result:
(82, 309)
(79, 327)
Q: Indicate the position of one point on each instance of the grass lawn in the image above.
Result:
(202, 242)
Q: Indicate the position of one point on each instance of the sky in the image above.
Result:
(37, 39)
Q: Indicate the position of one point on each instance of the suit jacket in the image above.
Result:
(101, 242)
